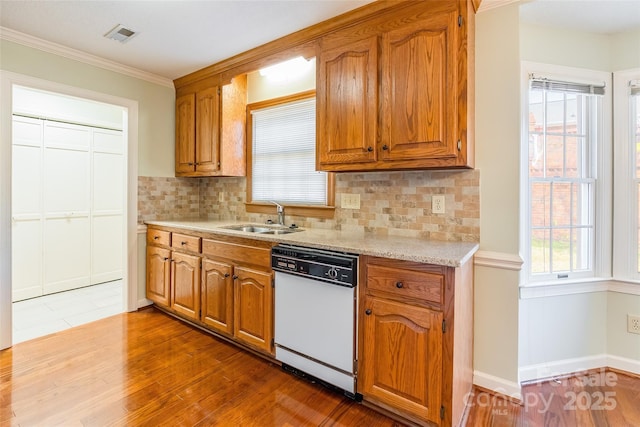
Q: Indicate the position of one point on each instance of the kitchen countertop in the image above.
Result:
(450, 254)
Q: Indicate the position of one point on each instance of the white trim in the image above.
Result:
(601, 162)
(624, 287)
(142, 228)
(625, 239)
(497, 384)
(143, 302)
(78, 55)
(557, 289)
(130, 254)
(562, 367)
(624, 364)
(579, 287)
(501, 260)
(494, 4)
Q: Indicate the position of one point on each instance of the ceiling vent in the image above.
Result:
(121, 34)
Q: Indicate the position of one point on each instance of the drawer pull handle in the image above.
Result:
(235, 276)
(226, 274)
(367, 311)
(385, 147)
(166, 259)
(370, 149)
(183, 243)
(399, 285)
(156, 237)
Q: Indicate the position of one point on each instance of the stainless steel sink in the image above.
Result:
(261, 230)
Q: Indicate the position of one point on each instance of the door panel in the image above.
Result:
(185, 278)
(217, 295)
(253, 320)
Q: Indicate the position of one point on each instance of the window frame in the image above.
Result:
(307, 210)
(625, 248)
(601, 162)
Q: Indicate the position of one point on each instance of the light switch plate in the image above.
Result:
(437, 204)
(350, 201)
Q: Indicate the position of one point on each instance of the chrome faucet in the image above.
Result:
(280, 212)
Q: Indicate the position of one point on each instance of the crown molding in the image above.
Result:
(493, 4)
(80, 56)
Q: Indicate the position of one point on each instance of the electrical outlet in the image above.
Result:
(633, 324)
(350, 201)
(437, 204)
(221, 197)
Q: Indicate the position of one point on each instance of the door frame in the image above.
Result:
(130, 242)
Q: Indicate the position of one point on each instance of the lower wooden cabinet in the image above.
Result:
(416, 338)
(217, 295)
(225, 286)
(254, 307)
(185, 284)
(405, 345)
(158, 274)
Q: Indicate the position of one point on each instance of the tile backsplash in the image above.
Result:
(394, 203)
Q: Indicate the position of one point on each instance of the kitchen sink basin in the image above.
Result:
(261, 230)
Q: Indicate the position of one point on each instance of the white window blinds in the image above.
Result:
(283, 149)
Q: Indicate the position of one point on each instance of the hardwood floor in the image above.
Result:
(148, 369)
(598, 398)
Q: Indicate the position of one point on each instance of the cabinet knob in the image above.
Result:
(399, 285)
(385, 147)
(235, 276)
(166, 259)
(369, 149)
(367, 311)
(226, 274)
(183, 243)
(156, 237)
(190, 163)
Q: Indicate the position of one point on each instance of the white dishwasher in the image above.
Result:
(315, 314)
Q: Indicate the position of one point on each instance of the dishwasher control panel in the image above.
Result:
(332, 267)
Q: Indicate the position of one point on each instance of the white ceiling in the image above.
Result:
(176, 37)
(596, 16)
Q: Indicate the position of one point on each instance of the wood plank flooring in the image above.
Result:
(598, 398)
(149, 369)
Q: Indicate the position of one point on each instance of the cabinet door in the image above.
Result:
(158, 274)
(347, 96)
(402, 357)
(185, 284)
(419, 110)
(217, 295)
(185, 134)
(253, 322)
(208, 130)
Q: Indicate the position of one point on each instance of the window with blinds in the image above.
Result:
(563, 128)
(283, 143)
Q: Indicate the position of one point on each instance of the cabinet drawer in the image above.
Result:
(407, 283)
(185, 242)
(238, 252)
(158, 237)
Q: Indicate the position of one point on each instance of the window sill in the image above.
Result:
(314, 211)
(584, 286)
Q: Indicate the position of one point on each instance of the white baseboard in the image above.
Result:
(497, 384)
(624, 364)
(143, 302)
(561, 367)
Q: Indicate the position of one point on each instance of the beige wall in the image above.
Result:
(497, 157)
(156, 103)
(556, 332)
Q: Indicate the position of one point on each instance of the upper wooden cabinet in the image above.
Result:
(210, 129)
(394, 92)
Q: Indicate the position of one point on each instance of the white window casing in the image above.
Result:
(574, 184)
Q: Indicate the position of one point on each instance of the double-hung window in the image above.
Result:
(282, 144)
(565, 174)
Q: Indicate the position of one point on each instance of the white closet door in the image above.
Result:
(26, 205)
(108, 206)
(67, 228)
